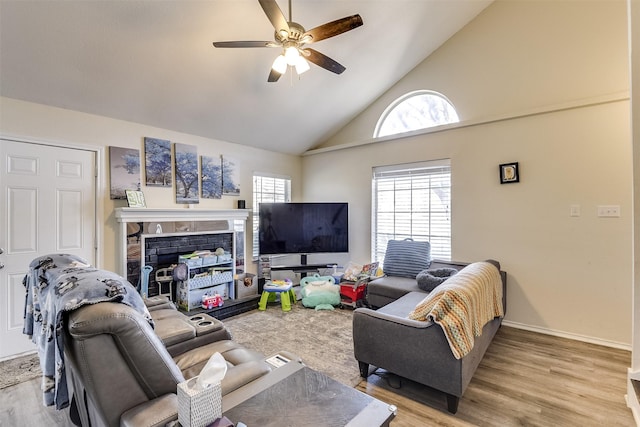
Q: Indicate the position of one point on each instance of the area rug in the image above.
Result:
(20, 369)
(322, 338)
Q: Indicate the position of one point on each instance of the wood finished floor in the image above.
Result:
(525, 379)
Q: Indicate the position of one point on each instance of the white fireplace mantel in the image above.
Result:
(162, 215)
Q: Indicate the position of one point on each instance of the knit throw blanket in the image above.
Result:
(463, 304)
(56, 284)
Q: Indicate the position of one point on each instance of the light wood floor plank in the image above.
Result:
(21, 405)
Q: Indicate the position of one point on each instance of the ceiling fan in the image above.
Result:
(293, 38)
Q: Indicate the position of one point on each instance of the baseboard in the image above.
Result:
(561, 334)
(15, 356)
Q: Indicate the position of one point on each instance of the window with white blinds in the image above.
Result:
(412, 200)
(268, 189)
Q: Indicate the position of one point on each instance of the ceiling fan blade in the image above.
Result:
(273, 76)
(323, 61)
(275, 15)
(332, 28)
(245, 44)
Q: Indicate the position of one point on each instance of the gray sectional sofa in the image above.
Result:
(418, 350)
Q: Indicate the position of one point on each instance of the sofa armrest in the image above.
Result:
(159, 302)
(153, 413)
(411, 349)
(241, 375)
(418, 324)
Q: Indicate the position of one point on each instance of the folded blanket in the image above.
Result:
(56, 284)
(463, 304)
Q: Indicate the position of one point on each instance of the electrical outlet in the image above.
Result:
(609, 211)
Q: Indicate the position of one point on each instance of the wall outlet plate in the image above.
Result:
(609, 211)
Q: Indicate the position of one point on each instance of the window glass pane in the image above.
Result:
(416, 110)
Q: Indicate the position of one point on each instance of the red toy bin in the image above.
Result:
(352, 292)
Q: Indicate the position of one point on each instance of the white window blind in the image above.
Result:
(412, 201)
(268, 189)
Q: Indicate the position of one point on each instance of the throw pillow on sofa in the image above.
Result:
(429, 279)
(406, 258)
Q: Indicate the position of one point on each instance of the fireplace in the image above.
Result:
(162, 252)
(156, 237)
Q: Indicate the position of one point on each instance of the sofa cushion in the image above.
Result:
(430, 278)
(392, 287)
(406, 258)
(403, 305)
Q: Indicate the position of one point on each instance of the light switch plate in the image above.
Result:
(574, 210)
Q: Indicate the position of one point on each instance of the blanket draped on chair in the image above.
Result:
(56, 284)
(463, 304)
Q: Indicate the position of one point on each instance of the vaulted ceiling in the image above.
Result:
(153, 62)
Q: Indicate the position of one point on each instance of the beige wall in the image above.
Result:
(554, 75)
(55, 125)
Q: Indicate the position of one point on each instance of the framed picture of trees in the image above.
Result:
(124, 171)
(186, 158)
(211, 170)
(157, 154)
(230, 177)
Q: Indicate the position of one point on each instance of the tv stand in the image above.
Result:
(303, 268)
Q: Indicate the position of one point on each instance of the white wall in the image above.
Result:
(555, 74)
(48, 124)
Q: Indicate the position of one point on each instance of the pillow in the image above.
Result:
(406, 258)
(429, 279)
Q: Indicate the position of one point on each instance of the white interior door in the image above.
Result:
(48, 206)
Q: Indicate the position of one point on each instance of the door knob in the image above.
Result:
(1, 251)
(1, 266)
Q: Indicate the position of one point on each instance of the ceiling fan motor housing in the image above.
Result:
(295, 33)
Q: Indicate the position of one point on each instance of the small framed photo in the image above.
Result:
(509, 173)
(135, 199)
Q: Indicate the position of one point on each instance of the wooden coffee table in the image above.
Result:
(295, 395)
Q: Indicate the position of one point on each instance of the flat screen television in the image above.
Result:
(303, 228)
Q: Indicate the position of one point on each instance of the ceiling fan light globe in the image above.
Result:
(291, 54)
(280, 64)
(302, 66)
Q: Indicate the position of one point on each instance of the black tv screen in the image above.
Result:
(303, 228)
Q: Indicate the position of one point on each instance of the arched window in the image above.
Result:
(416, 110)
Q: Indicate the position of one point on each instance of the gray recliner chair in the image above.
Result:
(122, 374)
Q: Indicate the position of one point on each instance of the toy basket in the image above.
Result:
(223, 277)
(200, 282)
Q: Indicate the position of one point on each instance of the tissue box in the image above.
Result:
(198, 408)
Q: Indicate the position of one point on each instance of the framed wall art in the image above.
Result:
(230, 177)
(509, 173)
(124, 170)
(211, 180)
(135, 199)
(187, 190)
(157, 155)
